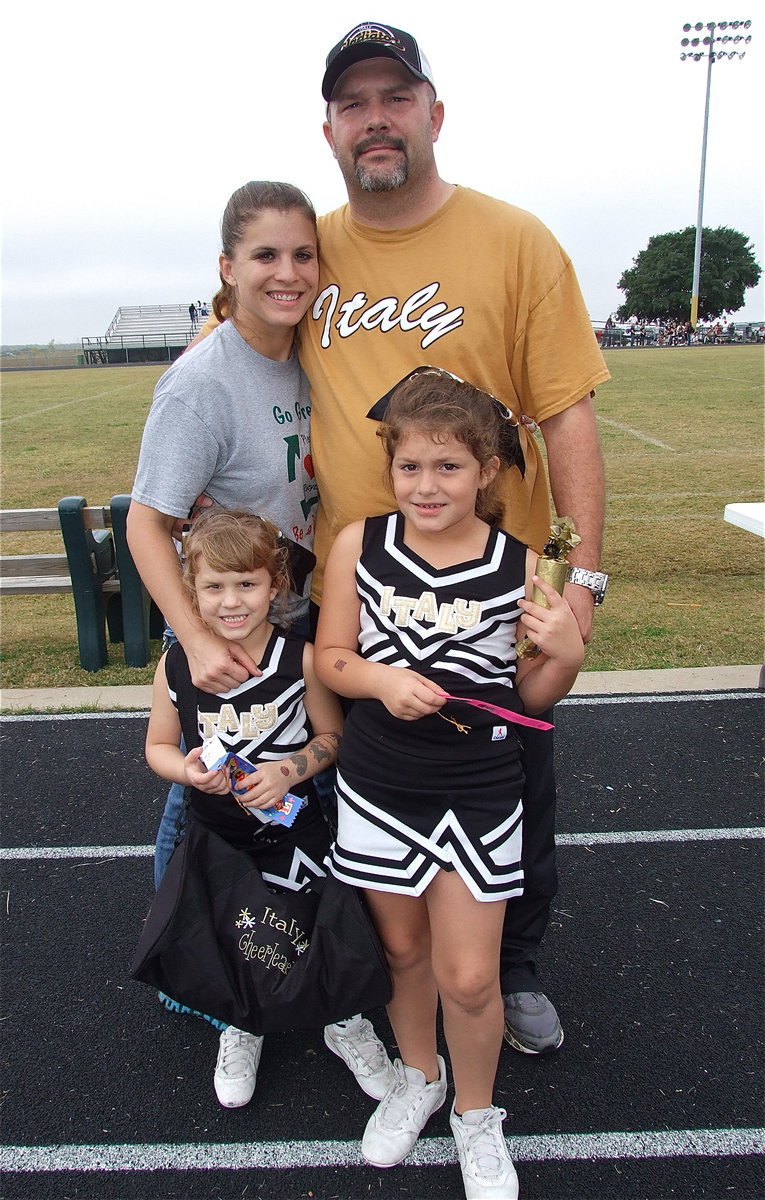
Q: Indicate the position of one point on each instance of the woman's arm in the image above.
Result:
(403, 692)
(216, 665)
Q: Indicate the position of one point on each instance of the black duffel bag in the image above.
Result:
(220, 941)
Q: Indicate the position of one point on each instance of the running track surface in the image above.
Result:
(653, 958)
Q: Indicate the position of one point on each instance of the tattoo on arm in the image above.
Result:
(321, 751)
(300, 763)
(340, 664)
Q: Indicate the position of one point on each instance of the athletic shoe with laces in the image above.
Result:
(357, 1044)
(487, 1170)
(237, 1067)
(531, 1023)
(399, 1119)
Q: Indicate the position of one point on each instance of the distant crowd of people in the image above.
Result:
(717, 333)
(677, 333)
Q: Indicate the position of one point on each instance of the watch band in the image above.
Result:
(596, 581)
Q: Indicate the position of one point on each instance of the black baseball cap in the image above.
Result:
(373, 40)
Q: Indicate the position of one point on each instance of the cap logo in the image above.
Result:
(372, 33)
(370, 40)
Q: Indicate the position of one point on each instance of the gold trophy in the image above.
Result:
(552, 566)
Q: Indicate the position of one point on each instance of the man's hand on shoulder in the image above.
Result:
(218, 666)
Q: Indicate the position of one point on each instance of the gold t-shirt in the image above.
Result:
(481, 289)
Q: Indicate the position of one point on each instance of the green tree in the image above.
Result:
(659, 283)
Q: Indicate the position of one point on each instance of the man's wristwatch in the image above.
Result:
(596, 581)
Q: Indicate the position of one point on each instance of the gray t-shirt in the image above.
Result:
(229, 422)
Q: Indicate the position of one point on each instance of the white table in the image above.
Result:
(751, 517)
(747, 516)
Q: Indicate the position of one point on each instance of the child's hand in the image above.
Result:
(409, 696)
(267, 785)
(555, 629)
(214, 782)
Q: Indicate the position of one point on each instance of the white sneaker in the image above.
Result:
(399, 1119)
(487, 1171)
(237, 1067)
(356, 1042)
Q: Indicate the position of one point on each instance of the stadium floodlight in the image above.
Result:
(711, 56)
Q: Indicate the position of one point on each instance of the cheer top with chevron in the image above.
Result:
(262, 719)
(442, 792)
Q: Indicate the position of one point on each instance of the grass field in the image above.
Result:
(682, 433)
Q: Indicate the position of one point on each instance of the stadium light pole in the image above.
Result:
(693, 51)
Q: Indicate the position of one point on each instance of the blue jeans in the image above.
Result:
(171, 828)
(172, 823)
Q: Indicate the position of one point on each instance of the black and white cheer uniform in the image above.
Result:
(262, 719)
(416, 796)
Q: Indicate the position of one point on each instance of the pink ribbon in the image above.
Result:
(516, 718)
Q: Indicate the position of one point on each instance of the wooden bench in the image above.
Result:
(96, 567)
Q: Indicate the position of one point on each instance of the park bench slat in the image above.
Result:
(13, 565)
(22, 520)
(32, 585)
(34, 574)
(40, 520)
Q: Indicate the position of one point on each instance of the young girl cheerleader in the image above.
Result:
(422, 609)
(235, 572)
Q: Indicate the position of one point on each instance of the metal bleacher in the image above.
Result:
(142, 333)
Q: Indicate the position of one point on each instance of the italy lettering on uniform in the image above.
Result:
(248, 724)
(447, 618)
(359, 312)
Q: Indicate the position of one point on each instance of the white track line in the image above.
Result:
(105, 854)
(134, 713)
(428, 1152)
(633, 837)
(637, 698)
(102, 853)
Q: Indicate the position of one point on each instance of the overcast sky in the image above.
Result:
(128, 126)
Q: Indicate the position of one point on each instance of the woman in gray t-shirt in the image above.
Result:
(231, 416)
